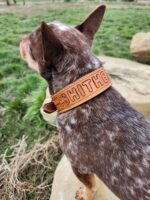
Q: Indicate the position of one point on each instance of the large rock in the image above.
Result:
(132, 80)
(140, 47)
(50, 118)
(66, 184)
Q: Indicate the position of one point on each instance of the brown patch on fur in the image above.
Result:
(88, 180)
(24, 51)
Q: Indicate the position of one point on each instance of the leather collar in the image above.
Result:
(80, 91)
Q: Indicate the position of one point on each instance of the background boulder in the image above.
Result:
(140, 47)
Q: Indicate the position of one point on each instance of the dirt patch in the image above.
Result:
(32, 9)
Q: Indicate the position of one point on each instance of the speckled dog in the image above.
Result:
(105, 136)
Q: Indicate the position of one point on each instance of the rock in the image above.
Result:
(132, 80)
(66, 184)
(50, 118)
(140, 47)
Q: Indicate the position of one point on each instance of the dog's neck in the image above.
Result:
(76, 70)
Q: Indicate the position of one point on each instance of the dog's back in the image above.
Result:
(106, 136)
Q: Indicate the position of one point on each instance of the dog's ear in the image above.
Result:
(52, 49)
(91, 25)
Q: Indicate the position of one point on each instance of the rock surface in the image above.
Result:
(50, 118)
(66, 184)
(132, 80)
(140, 47)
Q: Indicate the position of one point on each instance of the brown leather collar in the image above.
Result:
(80, 91)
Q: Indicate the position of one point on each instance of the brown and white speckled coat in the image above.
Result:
(106, 135)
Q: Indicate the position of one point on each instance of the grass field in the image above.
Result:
(22, 91)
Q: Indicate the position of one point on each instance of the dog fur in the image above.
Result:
(105, 136)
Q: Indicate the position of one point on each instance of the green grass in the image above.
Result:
(22, 91)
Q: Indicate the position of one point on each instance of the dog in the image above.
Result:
(105, 136)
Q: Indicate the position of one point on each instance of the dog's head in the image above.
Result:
(56, 46)
(61, 54)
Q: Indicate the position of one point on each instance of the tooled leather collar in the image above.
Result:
(80, 91)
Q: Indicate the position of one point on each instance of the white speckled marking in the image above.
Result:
(128, 171)
(73, 121)
(61, 26)
(68, 129)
